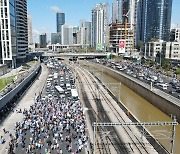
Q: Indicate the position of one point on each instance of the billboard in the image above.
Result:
(99, 46)
(122, 46)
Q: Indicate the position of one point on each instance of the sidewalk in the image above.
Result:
(15, 71)
(26, 102)
(11, 73)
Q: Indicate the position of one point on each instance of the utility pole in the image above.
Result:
(173, 135)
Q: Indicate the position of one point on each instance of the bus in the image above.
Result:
(59, 89)
(74, 94)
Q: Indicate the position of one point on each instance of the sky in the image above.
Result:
(43, 13)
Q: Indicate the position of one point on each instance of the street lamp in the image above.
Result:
(94, 126)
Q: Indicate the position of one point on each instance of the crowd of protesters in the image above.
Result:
(50, 127)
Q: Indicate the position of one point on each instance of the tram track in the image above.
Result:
(121, 146)
(136, 141)
(137, 146)
(103, 147)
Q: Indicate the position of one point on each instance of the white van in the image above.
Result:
(163, 86)
(68, 86)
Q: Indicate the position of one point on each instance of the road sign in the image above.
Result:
(99, 46)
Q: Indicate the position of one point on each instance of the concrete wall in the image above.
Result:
(166, 103)
(5, 99)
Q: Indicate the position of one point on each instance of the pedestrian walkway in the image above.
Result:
(25, 103)
(11, 73)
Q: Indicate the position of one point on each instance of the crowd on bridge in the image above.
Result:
(50, 127)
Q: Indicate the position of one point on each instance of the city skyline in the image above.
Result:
(44, 16)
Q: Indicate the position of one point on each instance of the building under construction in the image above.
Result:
(119, 31)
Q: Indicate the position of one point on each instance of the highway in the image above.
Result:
(146, 75)
(49, 123)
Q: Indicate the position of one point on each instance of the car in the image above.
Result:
(171, 92)
(167, 84)
(175, 86)
(178, 90)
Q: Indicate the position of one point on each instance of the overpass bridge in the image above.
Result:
(81, 55)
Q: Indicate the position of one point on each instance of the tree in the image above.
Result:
(178, 70)
(151, 63)
(165, 64)
(154, 39)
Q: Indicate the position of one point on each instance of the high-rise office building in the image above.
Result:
(67, 35)
(75, 34)
(30, 34)
(115, 13)
(8, 33)
(154, 19)
(43, 40)
(100, 25)
(22, 30)
(55, 38)
(14, 35)
(60, 20)
(175, 34)
(85, 32)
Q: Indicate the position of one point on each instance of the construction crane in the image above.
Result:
(125, 22)
(126, 16)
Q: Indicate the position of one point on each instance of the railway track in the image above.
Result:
(106, 144)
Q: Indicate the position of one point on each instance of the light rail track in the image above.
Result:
(134, 143)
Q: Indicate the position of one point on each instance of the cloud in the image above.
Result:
(36, 32)
(55, 9)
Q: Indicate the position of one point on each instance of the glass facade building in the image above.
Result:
(8, 33)
(154, 19)
(100, 26)
(55, 38)
(60, 20)
(43, 40)
(22, 30)
(13, 24)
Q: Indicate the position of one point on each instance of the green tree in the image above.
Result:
(154, 40)
(151, 63)
(165, 64)
(178, 70)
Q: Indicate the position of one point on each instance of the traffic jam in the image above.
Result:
(159, 79)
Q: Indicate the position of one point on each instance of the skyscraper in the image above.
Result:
(85, 30)
(14, 35)
(154, 17)
(75, 34)
(22, 30)
(55, 38)
(43, 40)
(30, 35)
(60, 20)
(115, 12)
(67, 35)
(8, 33)
(100, 23)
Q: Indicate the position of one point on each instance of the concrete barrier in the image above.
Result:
(9, 96)
(163, 101)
